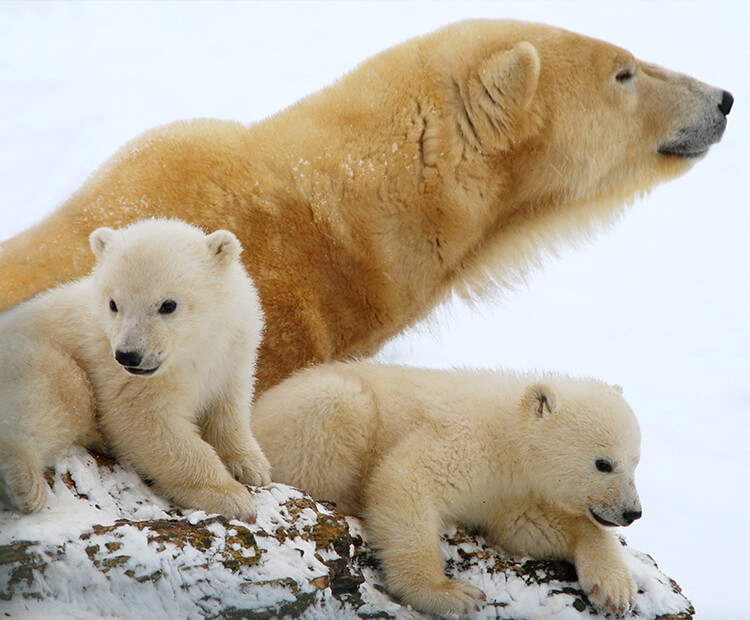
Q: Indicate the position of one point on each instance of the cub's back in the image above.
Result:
(326, 427)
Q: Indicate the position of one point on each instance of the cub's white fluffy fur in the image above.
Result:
(543, 464)
(156, 349)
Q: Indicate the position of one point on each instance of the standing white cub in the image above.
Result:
(157, 348)
(542, 464)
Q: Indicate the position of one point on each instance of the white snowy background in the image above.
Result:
(659, 304)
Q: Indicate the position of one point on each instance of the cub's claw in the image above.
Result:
(254, 470)
(616, 598)
(453, 597)
(232, 501)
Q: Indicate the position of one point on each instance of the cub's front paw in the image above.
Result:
(253, 469)
(451, 597)
(612, 591)
(231, 500)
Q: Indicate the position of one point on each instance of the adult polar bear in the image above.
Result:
(445, 163)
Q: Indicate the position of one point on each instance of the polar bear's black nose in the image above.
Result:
(726, 102)
(129, 358)
(631, 516)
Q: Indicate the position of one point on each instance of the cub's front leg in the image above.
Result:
(403, 522)
(602, 571)
(226, 426)
(168, 449)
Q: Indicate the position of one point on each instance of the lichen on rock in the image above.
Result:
(106, 545)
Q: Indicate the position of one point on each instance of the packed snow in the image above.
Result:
(123, 570)
(659, 304)
(112, 548)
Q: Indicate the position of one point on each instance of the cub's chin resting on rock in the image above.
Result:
(543, 464)
(156, 349)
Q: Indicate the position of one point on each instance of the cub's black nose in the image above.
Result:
(129, 358)
(629, 517)
(726, 102)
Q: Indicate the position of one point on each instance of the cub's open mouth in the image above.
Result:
(679, 151)
(141, 371)
(601, 521)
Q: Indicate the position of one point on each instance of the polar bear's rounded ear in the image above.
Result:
(618, 389)
(223, 246)
(500, 96)
(539, 400)
(99, 240)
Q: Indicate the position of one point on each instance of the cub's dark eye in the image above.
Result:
(624, 76)
(168, 307)
(604, 466)
(112, 305)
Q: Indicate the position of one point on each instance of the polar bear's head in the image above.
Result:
(159, 288)
(583, 448)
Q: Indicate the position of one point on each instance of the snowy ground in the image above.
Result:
(111, 548)
(658, 305)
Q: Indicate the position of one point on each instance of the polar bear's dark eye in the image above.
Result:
(604, 466)
(112, 305)
(624, 75)
(168, 307)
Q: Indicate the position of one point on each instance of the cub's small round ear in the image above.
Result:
(223, 246)
(99, 240)
(618, 389)
(539, 400)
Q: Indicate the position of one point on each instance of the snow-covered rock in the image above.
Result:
(107, 547)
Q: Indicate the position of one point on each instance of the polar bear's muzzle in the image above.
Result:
(706, 127)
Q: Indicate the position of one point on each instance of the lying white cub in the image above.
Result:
(543, 464)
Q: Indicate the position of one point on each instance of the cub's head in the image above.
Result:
(583, 447)
(157, 288)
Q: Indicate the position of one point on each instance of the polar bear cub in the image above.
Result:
(543, 464)
(156, 350)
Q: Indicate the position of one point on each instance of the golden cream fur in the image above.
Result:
(448, 163)
(158, 347)
(542, 464)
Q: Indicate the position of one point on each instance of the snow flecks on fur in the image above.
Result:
(107, 546)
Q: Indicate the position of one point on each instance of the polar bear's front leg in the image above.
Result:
(169, 450)
(602, 571)
(403, 523)
(226, 426)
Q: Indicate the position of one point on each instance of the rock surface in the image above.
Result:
(107, 547)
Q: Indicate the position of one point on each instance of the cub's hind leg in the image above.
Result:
(46, 404)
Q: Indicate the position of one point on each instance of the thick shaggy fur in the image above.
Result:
(158, 345)
(449, 162)
(543, 464)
